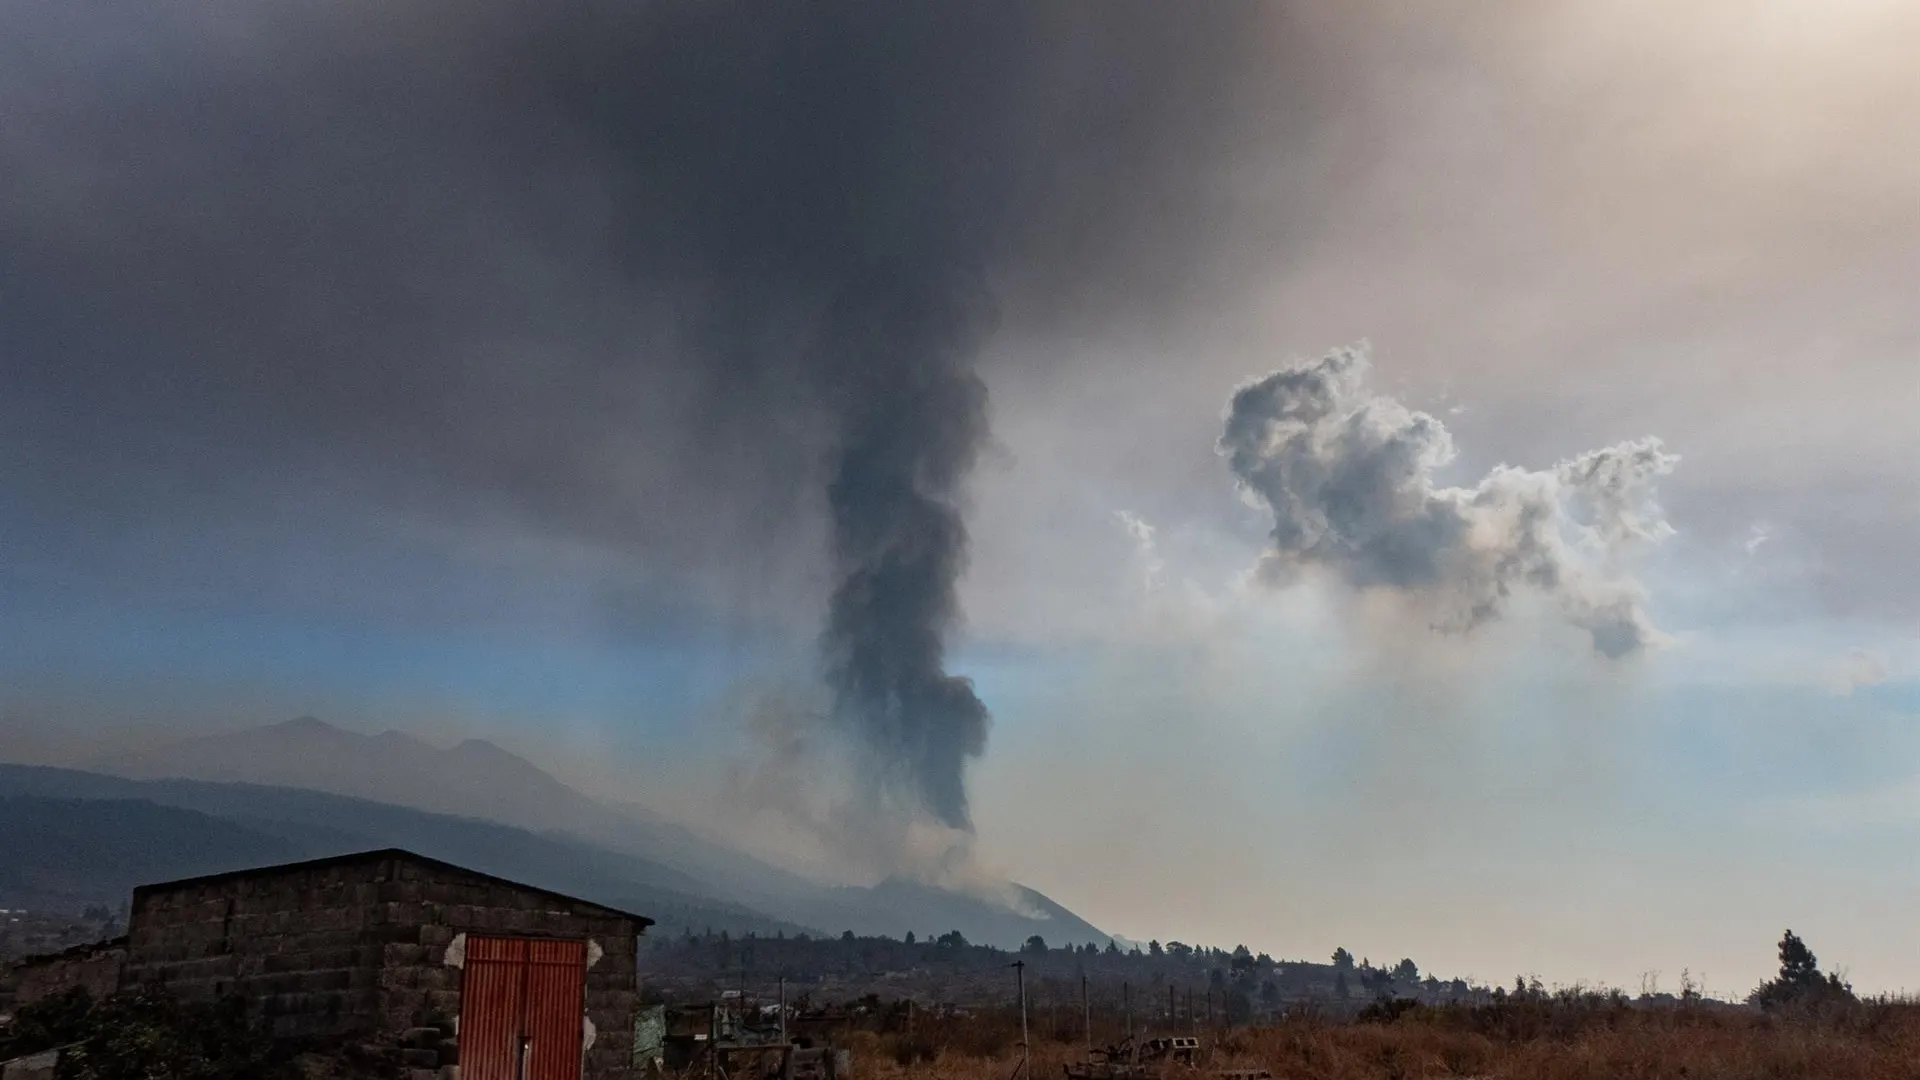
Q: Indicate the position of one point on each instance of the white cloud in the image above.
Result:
(1860, 668)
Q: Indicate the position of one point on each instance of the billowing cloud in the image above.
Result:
(1349, 476)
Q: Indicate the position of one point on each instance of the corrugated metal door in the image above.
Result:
(521, 1005)
(555, 1006)
(492, 1001)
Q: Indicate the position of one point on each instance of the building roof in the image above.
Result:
(72, 952)
(376, 855)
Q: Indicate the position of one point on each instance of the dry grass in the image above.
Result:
(1535, 1042)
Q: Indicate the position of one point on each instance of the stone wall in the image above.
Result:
(299, 943)
(373, 949)
(94, 968)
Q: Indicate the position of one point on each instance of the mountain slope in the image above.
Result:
(82, 837)
(473, 779)
(63, 854)
(478, 779)
(892, 908)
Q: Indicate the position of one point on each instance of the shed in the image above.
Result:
(505, 980)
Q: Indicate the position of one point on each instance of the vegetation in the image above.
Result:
(1802, 1024)
(1556, 1037)
(141, 1036)
(947, 968)
(1800, 985)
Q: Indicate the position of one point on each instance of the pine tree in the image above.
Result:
(1800, 981)
(1798, 965)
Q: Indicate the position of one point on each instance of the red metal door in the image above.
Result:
(555, 1008)
(521, 1005)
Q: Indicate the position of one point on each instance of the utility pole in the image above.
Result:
(1086, 1014)
(783, 1010)
(1126, 1003)
(1026, 1056)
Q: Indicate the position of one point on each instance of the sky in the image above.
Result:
(544, 379)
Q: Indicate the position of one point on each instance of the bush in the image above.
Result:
(142, 1034)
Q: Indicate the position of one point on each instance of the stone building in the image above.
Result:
(389, 948)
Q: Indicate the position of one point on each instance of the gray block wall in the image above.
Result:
(371, 949)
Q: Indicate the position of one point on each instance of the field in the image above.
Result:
(1550, 1040)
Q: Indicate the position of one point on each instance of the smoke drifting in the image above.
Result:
(659, 279)
(907, 440)
(1349, 477)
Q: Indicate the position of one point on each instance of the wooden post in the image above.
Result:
(1086, 1013)
(1026, 1054)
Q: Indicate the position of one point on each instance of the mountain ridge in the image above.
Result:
(479, 779)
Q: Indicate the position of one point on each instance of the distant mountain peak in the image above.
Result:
(483, 748)
(305, 723)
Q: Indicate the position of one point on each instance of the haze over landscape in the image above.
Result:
(1440, 480)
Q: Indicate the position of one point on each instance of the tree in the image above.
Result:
(1035, 945)
(1377, 982)
(1113, 947)
(1342, 960)
(1178, 950)
(1798, 965)
(1154, 949)
(1406, 971)
(1340, 989)
(1242, 959)
(847, 936)
(952, 939)
(909, 937)
(1800, 981)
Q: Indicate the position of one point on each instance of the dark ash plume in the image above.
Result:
(900, 542)
(1349, 477)
(629, 275)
